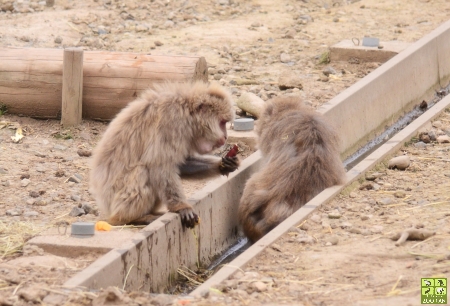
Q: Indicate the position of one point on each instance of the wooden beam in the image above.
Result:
(31, 79)
(72, 87)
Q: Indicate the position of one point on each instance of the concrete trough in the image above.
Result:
(149, 261)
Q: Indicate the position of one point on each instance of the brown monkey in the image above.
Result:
(301, 153)
(137, 164)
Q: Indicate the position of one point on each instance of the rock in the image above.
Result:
(241, 82)
(432, 135)
(60, 173)
(385, 201)
(425, 138)
(32, 294)
(333, 240)
(110, 296)
(84, 152)
(251, 103)
(315, 218)
(75, 197)
(158, 43)
(399, 162)
(328, 70)
(77, 211)
(40, 203)
(34, 194)
(285, 58)
(420, 145)
(58, 40)
(400, 194)
(25, 182)
(353, 195)
(31, 213)
(437, 124)
(54, 299)
(13, 212)
(335, 215)
(288, 80)
(59, 147)
(74, 179)
(376, 229)
(443, 139)
(366, 186)
(87, 208)
(9, 275)
(259, 286)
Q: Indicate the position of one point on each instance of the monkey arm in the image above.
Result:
(209, 165)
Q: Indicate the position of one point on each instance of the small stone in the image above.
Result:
(25, 176)
(31, 213)
(74, 179)
(315, 218)
(58, 40)
(158, 43)
(6, 183)
(30, 201)
(333, 240)
(87, 208)
(420, 145)
(54, 299)
(40, 154)
(40, 203)
(285, 58)
(399, 162)
(289, 80)
(366, 186)
(25, 182)
(59, 173)
(353, 195)
(385, 201)
(437, 124)
(335, 215)
(376, 229)
(13, 212)
(443, 139)
(77, 211)
(399, 194)
(75, 197)
(59, 147)
(259, 286)
(425, 138)
(84, 152)
(432, 135)
(34, 194)
(251, 103)
(335, 19)
(365, 217)
(328, 70)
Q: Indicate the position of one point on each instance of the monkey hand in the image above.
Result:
(188, 217)
(228, 164)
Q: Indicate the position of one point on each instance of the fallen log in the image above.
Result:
(31, 79)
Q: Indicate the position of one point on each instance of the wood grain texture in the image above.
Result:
(31, 79)
(72, 87)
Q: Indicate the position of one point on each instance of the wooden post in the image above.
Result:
(72, 87)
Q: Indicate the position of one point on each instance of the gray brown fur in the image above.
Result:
(301, 153)
(136, 165)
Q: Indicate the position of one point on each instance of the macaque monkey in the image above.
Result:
(135, 174)
(301, 154)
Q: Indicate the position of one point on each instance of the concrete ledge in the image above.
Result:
(150, 259)
(346, 50)
(363, 110)
(325, 196)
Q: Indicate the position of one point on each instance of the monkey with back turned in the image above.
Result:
(301, 154)
(135, 173)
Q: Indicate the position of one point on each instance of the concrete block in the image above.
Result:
(346, 50)
(58, 243)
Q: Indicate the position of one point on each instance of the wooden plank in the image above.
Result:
(72, 87)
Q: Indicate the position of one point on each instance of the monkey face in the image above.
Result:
(214, 136)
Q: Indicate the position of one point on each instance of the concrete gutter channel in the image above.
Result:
(149, 261)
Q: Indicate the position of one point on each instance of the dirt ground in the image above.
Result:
(340, 255)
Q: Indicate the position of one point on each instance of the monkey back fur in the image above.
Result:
(135, 171)
(301, 154)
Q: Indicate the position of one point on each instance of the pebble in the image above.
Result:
(259, 286)
(328, 70)
(58, 40)
(31, 213)
(335, 215)
(74, 178)
(443, 139)
(399, 194)
(13, 212)
(25, 182)
(399, 162)
(377, 229)
(420, 145)
(285, 58)
(332, 240)
(251, 103)
(77, 211)
(59, 147)
(315, 218)
(32, 294)
(289, 79)
(385, 201)
(75, 197)
(158, 43)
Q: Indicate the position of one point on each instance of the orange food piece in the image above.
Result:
(102, 226)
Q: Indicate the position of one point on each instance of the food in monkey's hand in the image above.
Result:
(229, 161)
